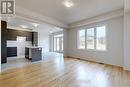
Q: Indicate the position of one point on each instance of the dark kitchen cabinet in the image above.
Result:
(29, 36)
(12, 34)
(35, 38)
(33, 53)
(11, 51)
(3, 42)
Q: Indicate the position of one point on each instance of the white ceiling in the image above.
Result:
(82, 9)
(16, 22)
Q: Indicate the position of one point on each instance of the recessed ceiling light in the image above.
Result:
(24, 26)
(68, 3)
(35, 24)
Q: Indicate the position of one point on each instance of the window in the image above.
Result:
(101, 38)
(81, 39)
(92, 38)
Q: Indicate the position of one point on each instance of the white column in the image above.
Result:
(127, 41)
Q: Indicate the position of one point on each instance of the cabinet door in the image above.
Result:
(35, 38)
(11, 34)
(36, 54)
(28, 36)
(3, 42)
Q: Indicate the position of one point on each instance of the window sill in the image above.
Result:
(93, 50)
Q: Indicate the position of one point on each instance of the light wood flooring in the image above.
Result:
(66, 72)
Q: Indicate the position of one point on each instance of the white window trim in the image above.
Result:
(94, 39)
(78, 39)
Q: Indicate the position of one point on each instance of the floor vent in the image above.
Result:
(78, 58)
(100, 63)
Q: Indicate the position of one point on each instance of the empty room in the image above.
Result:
(65, 43)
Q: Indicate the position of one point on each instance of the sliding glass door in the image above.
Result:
(58, 43)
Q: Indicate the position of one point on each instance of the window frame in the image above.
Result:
(95, 38)
(78, 39)
(86, 44)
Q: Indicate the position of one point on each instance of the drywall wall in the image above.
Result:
(44, 31)
(65, 42)
(43, 39)
(20, 46)
(43, 36)
(114, 53)
(127, 41)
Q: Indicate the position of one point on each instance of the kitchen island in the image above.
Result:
(33, 53)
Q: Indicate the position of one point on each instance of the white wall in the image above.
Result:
(43, 40)
(127, 41)
(44, 31)
(65, 42)
(20, 46)
(43, 36)
(114, 53)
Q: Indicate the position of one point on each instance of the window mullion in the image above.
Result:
(85, 38)
(95, 38)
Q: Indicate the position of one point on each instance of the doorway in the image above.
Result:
(58, 43)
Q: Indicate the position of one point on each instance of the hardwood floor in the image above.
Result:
(66, 72)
